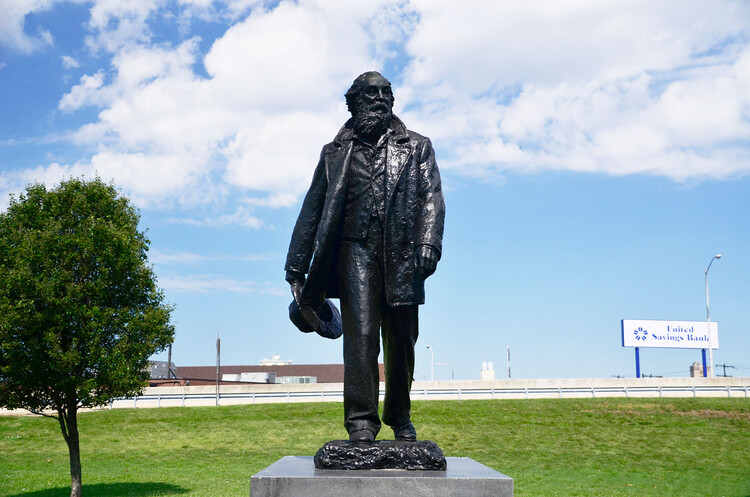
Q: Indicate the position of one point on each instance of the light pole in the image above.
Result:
(507, 359)
(708, 323)
(447, 366)
(432, 363)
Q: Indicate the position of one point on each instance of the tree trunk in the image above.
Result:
(69, 425)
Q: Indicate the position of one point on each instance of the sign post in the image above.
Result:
(637, 362)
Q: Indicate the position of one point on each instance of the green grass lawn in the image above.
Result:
(569, 447)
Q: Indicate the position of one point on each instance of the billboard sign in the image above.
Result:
(668, 334)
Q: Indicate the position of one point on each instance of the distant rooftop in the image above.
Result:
(275, 360)
(325, 373)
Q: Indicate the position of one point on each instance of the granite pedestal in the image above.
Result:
(296, 476)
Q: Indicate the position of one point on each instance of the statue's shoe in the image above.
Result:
(362, 436)
(405, 432)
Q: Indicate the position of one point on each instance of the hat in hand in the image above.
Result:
(325, 321)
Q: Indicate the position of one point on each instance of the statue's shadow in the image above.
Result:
(113, 489)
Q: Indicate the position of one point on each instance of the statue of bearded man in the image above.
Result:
(369, 233)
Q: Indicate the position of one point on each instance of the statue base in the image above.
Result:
(296, 476)
(383, 454)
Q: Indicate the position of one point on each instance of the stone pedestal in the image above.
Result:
(296, 476)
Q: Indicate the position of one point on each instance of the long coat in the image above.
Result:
(414, 214)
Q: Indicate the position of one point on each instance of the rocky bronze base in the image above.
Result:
(382, 454)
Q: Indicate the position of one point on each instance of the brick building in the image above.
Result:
(206, 375)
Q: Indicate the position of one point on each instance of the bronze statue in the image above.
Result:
(369, 233)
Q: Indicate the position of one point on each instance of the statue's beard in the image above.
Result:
(371, 123)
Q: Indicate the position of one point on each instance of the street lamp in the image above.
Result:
(447, 366)
(432, 363)
(708, 323)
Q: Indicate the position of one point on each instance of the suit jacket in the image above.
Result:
(414, 216)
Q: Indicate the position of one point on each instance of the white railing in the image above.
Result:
(188, 398)
(580, 392)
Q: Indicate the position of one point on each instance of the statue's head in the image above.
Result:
(370, 101)
(370, 89)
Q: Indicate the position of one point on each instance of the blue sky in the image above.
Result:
(595, 155)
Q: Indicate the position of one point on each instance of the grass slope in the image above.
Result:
(569, 447)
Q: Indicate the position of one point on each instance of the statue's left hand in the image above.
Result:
(426, 260)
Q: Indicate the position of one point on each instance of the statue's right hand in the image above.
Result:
(293, 277)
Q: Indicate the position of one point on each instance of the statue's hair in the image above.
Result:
(356, 88)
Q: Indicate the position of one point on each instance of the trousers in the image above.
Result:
(364, 315)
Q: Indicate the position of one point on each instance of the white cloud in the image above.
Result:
(153, 178)
(69, 62)
(15, 181)
(478, 46)
(279, 154)
(12, 22)
(272, 99)
(84, 93)
(614, 87)
(606, 86)
(203, 4)
(173, 257)
(217, 284)
(118, 24)
(274, 200)
(114, 23)
(707, 107)
(242, 217)
(148, 180)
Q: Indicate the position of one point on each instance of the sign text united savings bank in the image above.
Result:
(675, 334)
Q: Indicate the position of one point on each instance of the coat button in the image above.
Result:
(402, 220)
(405, 253)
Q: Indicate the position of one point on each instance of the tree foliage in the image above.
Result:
(80, 312)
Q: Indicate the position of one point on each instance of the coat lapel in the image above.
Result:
(337, 162)
(399, 151)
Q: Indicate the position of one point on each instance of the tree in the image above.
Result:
(80, 312)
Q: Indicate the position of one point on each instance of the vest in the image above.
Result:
(365, 197)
